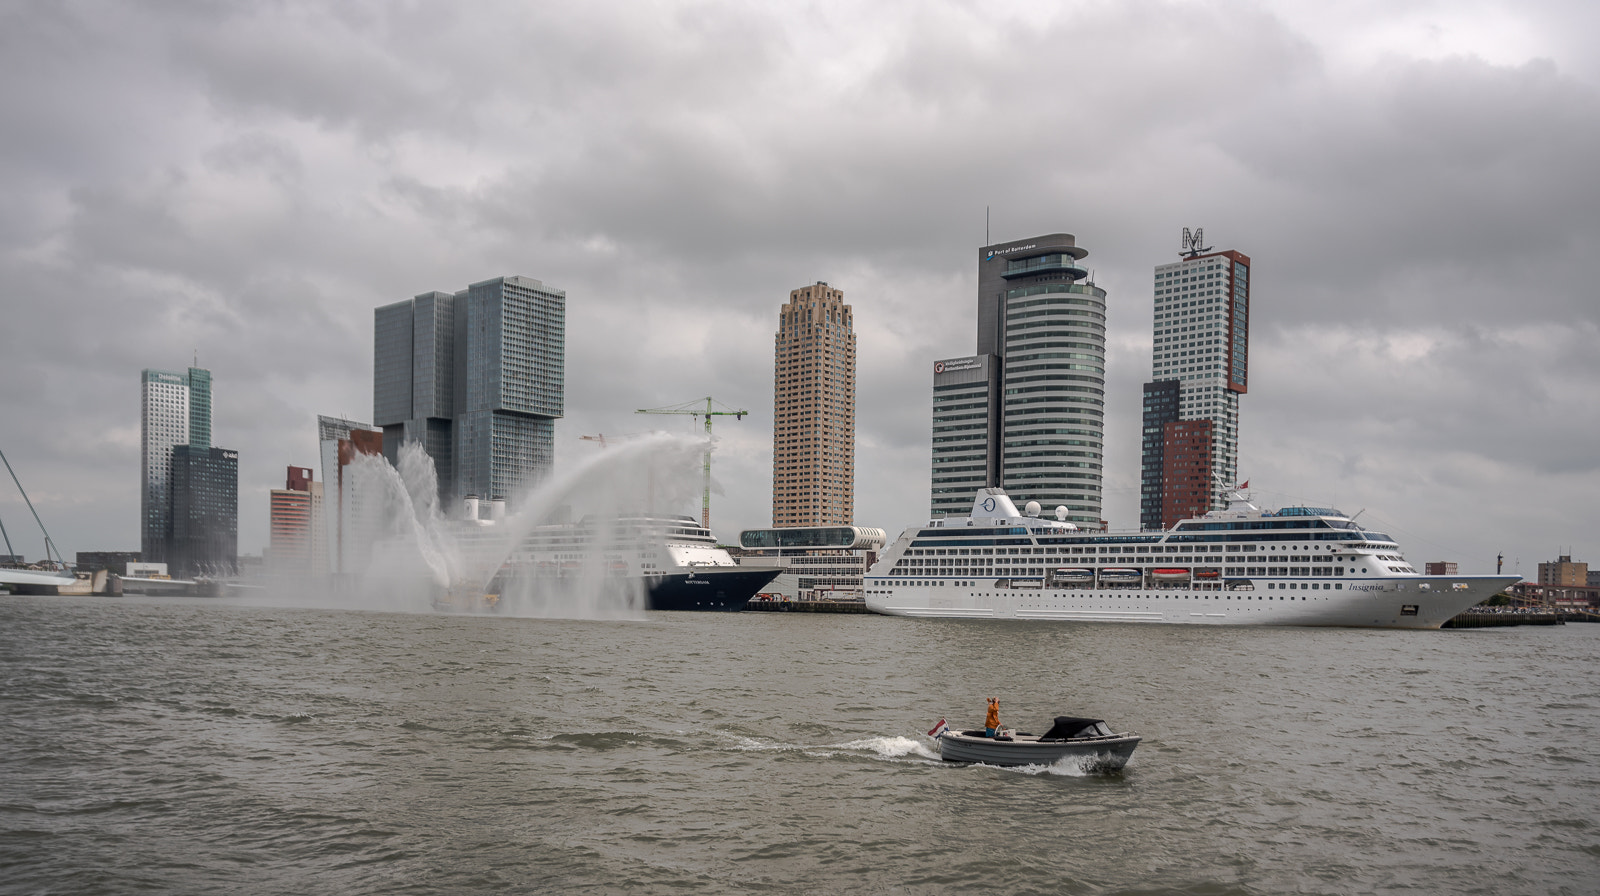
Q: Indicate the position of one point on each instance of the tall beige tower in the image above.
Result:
(814, 410)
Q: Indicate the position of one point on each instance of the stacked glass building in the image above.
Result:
(478, 379)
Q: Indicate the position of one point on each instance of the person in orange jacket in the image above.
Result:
(991, 722)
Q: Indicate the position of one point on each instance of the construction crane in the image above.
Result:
(601, 438)
(708, 413)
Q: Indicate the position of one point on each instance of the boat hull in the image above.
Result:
(719, 589)
(1089, 754)
(1357, 602)
(715, 589)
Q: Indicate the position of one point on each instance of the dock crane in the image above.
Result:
(708, 413)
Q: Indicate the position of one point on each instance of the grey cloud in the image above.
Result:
(251, 180)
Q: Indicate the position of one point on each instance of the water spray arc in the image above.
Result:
(708, 413)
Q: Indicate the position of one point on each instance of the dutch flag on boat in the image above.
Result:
(939, 729)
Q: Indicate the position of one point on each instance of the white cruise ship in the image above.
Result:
(1240, 566)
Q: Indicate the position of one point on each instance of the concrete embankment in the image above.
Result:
(1497, 620)
(806, 606)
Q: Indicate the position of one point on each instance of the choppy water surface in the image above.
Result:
(194, 747)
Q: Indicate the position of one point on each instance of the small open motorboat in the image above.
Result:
(1087, 742)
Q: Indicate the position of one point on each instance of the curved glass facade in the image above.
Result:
(813, 538)
(1027, 412)
(1053, 402)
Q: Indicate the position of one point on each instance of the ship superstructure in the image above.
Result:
(1239, 566)
(676, 559)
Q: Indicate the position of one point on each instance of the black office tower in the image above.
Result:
(205, 512)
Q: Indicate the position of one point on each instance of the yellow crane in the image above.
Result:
(708, 413)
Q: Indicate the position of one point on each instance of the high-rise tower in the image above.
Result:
(477, 378)
(205, 512)
(814, 410)
(1035, 391)
(414, 380)
(1199, 369)
(175, 409)
(510, 384)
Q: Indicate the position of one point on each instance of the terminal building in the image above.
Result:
(819, 562)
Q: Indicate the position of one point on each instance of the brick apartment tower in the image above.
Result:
(814, 410)
(1199, 369)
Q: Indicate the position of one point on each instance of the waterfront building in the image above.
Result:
(966, 430)
(94, 561)
(1567, 597)
(414, 379)
(297, 545)
(478, 379)
(1036, 385)
(175, 409)
(818, 562)
(330, 514)
(1199, 368)
(814, 410)
(514, 333)
(363, 517)
(205, 512)
(1562, 571)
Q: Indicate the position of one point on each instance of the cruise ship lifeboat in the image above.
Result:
(1208, 574)
(1170, 575)
(1073, 575)
(1119, 575)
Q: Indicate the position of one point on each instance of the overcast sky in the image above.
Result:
(1417, 183)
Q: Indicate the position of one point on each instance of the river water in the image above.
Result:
(184, 746)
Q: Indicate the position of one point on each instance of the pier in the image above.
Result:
(806, 606)
(1471, 619)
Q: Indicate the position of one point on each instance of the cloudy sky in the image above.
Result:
(1417, 183)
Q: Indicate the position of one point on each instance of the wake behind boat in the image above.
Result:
(1087, 743)
(1240, 566)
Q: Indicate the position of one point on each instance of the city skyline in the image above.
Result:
(1426, 352)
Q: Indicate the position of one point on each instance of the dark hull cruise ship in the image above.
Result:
(674, 561)
(1241, 566)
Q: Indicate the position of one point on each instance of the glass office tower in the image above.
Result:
(1042, 329)
(478, 378)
